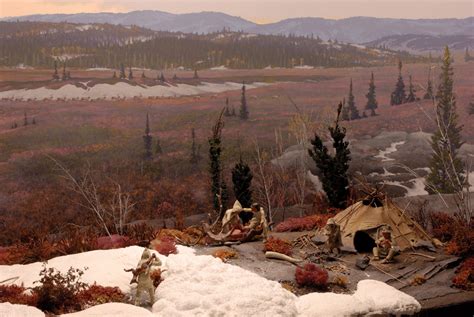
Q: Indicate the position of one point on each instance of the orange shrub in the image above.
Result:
(165, 245)
(304, 223)
(312, 275)
(464, 278)
(277, 245)
(96, 295)
(15, 294)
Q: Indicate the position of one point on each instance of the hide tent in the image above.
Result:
(360, 222)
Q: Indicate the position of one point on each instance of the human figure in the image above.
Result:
(333, 233)
(258, 224)
(143, 271)
(385, 247)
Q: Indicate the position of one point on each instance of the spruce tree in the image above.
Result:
(411, 91)
(130, 73)
(122, 71)
(227, 110)
(446, 169)
(215, 167)
(64, 76)
(398, 96)
(244, 113)
(467, 56)
(353, 111)
(148, 141)
(429, 88)
(471, 107)
(194, 159)
(158, 148)
(242, 180)
(371, 99)
(55, 74)
(333, 169)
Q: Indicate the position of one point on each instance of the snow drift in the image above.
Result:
(121, 90)
(205, 286)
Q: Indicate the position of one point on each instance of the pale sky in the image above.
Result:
(260, 11)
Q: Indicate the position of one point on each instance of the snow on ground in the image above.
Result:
(9, 310)
(121, 90)
(371, 298)
(417, 188)
(304, 67)
(222, 67)
(391, 149)
(205, 286)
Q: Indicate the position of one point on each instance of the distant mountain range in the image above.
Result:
(351, 30)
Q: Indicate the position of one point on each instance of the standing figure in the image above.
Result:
(333, 233)
(385, 247)
(146, 265)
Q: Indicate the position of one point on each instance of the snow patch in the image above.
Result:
(304, 67)
(121, 90)
(205, 286)
(391, 149)
(371, 298)
(222, 67)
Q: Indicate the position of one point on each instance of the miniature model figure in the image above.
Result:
(258, 224)
(142, 275)
(333, 233)
(385, 246)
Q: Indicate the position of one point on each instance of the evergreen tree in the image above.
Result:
(130, 73)
(371, 99)
(215, 168)
(122, 71)
(353, 112)
(242, 180)
(411, 91)
(25, 119)
(333, 168)
(471, 107)
(148, 140)
(162, 78)
(345, 111)
(429, 88)
(64, 76)
(55, 74)
(446, 169)
(158, 148)
(227, 110)
(467, 56)
(195, 157)
(244, 113)
(398, 96)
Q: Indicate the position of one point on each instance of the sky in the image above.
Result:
(260, 11)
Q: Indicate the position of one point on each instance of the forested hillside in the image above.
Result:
(38, 44)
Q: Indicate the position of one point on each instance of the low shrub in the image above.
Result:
(304, 223)
(464, 278)
(443, 226)
(462, 242)
(312, 275)
(57, 292)
(340, 280)
(15, 294)
(224, 254)
(165, 245)
(277, 245)
(96, 295)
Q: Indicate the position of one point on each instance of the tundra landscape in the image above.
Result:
(121, 137)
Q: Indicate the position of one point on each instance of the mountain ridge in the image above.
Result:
(357, 29)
